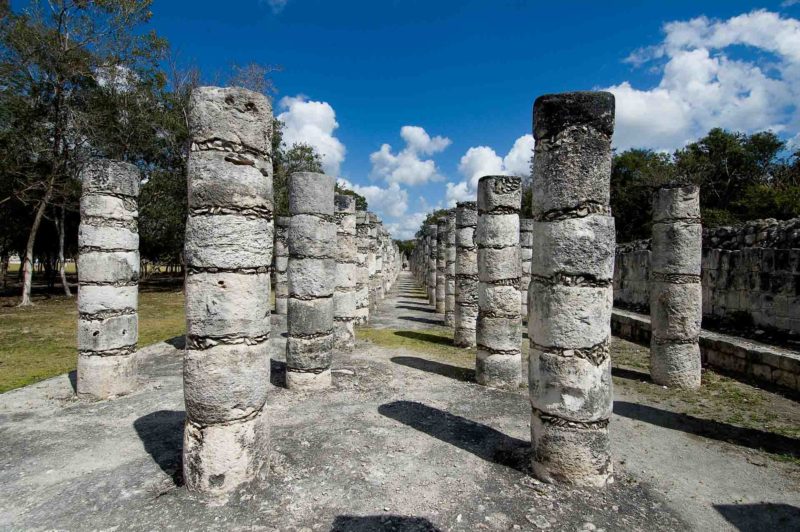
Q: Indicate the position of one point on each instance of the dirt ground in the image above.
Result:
(405, 440)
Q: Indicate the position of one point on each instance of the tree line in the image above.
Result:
(85, 79)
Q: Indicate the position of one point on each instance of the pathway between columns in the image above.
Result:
(404, 440)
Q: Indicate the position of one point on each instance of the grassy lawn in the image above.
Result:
(38, 342)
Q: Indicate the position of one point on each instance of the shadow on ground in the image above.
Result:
(481, 440)
(161, 433)
(427, 321)
(630, 374)
(178, 342)
(446, 370)
(277, 373)
(425, 337)
(418, 309)
(766, 517)
(368, 523)
(745, 437)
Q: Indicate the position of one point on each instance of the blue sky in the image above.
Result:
(449, 85)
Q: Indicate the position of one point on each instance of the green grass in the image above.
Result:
(436, 342)
(39, 342)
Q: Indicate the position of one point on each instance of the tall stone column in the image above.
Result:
(362, 270)
(676, 296)
(499, 326)
(108, 280)
(466, 271)
(570, 295)
(379, 260)
(344, 297)
(312, 281)
(450, 272)
(441, 263)
(372, 259)
(526, 254)
(432, 263)
(281, 263)
(228, 249)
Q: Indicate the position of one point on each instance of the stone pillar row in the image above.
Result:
(441, 263)
(526, 255)
(676, 303)
(344, 297)
(450, 270)
(281, 262)
(108, 280)
(228, 249)
(466, 275)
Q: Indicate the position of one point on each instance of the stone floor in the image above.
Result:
(403, 441)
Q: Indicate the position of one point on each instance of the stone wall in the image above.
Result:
(749, 273)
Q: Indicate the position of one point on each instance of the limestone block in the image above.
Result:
(110, 238)
(346, 274)
(104, 176)
(498, 264)
(108, 267)
(675, 203)
(103, 298)
(498, 230)
(570, 387)
(466, 290)
(103, 377)
(310, 193)
(225, 382)
(467, 263)
(310, 317)
(228, 241)
(232, 115)
(217, 458)
(219, 179)
(569, 317)
(310, 236)
(309, 381)
(309, 353)
(110, 207)
(116, 332)
(502, 300)
(344, 304)
(311, 277)
(499, 192)
(680, 243)
(575, 246)
(228, 304)
(675, 310)
(498, 371)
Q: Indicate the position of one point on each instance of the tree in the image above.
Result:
(53, 55)
(361, 201)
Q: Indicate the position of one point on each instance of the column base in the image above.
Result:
(307, 381)
(498, 371)
(104, 377)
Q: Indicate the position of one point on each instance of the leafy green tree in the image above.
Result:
(361, 201)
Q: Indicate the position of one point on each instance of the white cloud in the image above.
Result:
(483, 160)
(704, 86)
(406, 166)
(389, 202)
(313, 123)
(406, 228)
(276, 5)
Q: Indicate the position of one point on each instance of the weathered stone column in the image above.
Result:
(228, 253)
(312, 281)
(108, 280)
(526, 254)
(344, 297)
(466, 313)
(432, 257)
(362, 270)
(499, 326)
(570, 295)
(379, 259)
(450, 272)
(441, 263)
(372, 260)
(281, 263)
(676, 296)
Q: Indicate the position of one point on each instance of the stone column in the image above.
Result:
(344, 297)
(281, 263)
(570, 295)
(676, 301)
(432, 273)
(466, 271)
(228, 249)
(379, 256)
(441, 263)
(312, 281)
(108, 280)
(526, 254)
(499, 326)
(450, 272)
(362, 270)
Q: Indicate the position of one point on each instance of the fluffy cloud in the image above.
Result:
(483, 160)
(703, 85)
(406, 228)
(313, 123)
(389, 202)
(406, 166)
(276, 5)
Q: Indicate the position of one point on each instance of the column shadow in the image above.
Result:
(766, 517)
(630, 374)
(427, 321)
(277, 373)
(73, 380)
(369, 523)
(445, 370)
(425, 337)
(418, 309)
(161, 434)
(744, 437)
(481, 440)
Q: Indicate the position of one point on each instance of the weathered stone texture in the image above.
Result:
(362, 268)
(344, 297)
(228, 249)
(441, 263)
(675, 292)
(450, 271)
(570, 294)
(499, 324)
(526, 255)
(108, 277)
(281, 264)
(431, 234)
(312, 281)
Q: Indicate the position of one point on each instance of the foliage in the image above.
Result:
(361, 201)
(406, 246)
